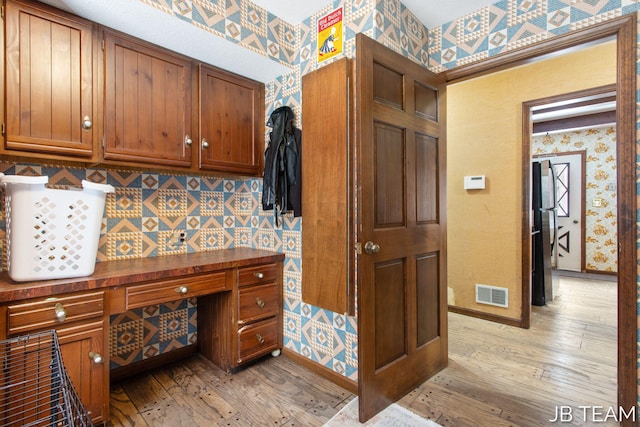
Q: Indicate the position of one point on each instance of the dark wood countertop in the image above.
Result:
(117, 273)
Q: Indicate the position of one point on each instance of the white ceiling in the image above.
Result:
(165, 30)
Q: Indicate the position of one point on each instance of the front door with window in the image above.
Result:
(568, 250)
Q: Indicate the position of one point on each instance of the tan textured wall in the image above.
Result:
(484, 128)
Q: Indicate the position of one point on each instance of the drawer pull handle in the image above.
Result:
(260, 339)
(61, 313)
(96, 357)
(182, 289)
(259, 275)
(260, 302)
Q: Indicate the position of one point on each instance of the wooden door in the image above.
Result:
(147, 104)
(231, 122)
(402, 307)
(328, 276)
(49, 82)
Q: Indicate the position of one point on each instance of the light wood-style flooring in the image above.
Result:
(497, 376)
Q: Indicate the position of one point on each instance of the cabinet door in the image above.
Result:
(327, 239)
(231, 122)
(49, 82)
(147, 104)
(83, 355)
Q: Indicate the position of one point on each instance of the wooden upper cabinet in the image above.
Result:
(328, 256)
(231, 122)
(50, 83)
(147, 103)
(141, 104)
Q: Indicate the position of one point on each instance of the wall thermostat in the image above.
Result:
(475, 182)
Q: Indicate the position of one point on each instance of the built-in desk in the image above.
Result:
(239, 309)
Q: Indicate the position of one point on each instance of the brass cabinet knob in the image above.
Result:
(258, 275)
(205, 143)
(187, 141)
(61, 313)
(260, 338)
(182, 289)
(260, 302)
(96, 357)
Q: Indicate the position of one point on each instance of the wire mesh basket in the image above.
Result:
(35, 389)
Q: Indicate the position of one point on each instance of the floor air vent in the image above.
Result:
(492, 295)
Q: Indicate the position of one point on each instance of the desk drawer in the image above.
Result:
(51, 312)
(175, 289)
(258, 302)
(258, 274)
(257, 339)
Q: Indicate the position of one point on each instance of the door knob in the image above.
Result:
(371, 248)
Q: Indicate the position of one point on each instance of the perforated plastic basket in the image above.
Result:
(52, 233)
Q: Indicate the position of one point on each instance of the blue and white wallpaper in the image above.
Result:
(219, 213)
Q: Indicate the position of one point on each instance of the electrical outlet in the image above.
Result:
(178, 238)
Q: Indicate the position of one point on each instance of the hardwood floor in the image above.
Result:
(500, 375)
(497, 376)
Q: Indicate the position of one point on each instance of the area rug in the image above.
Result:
(393, 416)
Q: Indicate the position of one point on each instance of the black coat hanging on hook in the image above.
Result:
(282, 184)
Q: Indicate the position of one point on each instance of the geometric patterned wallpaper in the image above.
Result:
(511, 24)
(503, 26)
(220, 213)
(601, 244)
(500, 27)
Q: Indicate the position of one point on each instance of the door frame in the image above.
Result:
(624, 30)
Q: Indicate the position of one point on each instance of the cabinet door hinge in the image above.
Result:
(3, 129)
(2, 11)
(358, 248)
(103, 44)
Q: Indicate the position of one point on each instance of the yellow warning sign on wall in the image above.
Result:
(330, 35)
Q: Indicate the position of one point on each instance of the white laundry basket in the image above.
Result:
(51, 233)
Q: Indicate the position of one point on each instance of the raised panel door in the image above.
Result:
(402, 307)
(50, 84)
